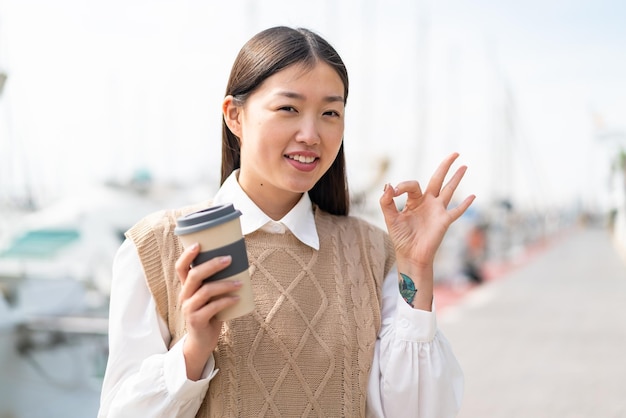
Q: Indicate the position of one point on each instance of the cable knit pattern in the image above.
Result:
(349, 372)
(307, 348)
(363, 317)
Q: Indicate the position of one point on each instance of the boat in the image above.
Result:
(55, 277)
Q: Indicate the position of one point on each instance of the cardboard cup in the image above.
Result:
(218, 231)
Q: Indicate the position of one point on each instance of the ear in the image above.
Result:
(232, 115)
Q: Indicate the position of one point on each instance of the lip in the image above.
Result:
(306, 167)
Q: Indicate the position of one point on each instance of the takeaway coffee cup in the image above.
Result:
(218, 231)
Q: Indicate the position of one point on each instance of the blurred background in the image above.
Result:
(111, 110)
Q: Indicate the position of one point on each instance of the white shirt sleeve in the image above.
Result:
(143, 378)
(414, 373)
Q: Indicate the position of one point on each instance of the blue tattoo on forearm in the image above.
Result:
(407, 289)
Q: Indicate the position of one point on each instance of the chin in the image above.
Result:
(300, 187)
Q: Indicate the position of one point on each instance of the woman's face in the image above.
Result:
(291, 130)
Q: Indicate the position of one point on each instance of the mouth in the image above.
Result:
(303, 159)
(304, 162)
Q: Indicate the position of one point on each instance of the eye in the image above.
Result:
(288, 108)
(333, 113)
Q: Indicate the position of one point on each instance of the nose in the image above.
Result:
(308, 131)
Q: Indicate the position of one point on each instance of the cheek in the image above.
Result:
(255, 146)
(335, 137)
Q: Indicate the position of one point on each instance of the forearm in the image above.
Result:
(143, 377)
(416, 284)
(414, 368)
(158, 388)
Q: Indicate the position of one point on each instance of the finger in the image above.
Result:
(209, 292)
(196, 275)
(207, 313)
(455, 213)
(450, 187)
(411, 188)
(436, 181)
(387, 204)
(183, 263)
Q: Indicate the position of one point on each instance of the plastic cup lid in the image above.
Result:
(206, 218)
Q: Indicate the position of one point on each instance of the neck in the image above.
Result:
(276, 207)
(274, 211)
(274, 202)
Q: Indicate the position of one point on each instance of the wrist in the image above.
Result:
(415, 284)
(415, 267)
(196, 357)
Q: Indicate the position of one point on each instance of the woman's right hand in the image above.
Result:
(200, 302)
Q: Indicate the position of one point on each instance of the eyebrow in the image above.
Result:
(293, 95)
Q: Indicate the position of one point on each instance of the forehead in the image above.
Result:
(320, 77)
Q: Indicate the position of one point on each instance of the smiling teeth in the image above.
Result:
(302, 158)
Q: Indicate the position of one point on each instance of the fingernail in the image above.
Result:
(225, 259)
(385, 188)
(236, 283)
(194, 246)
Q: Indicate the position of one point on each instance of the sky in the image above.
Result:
(98, 90)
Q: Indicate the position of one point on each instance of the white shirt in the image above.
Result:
(414, 371)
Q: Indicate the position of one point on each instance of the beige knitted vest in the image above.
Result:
(307, 349)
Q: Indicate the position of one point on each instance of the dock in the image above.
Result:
(548, 337)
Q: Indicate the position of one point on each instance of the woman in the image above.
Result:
(343, 324)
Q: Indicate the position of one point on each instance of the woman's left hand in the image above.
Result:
(418, 229)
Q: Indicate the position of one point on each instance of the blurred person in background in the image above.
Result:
(475, 253)
(344, 323)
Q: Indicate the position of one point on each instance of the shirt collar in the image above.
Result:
(300, 220)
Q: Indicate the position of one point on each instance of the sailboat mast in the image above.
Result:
(421, 85)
